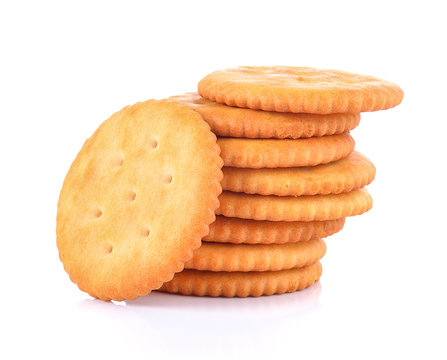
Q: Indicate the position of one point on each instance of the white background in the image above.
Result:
(66, 67)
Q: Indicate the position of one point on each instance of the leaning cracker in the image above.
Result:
(246, 231)
(353, 172)
(288, 208)
(243, 284)
(247, 123)
(299, 90)
(274, 153)
(243, 257)
(137, 200)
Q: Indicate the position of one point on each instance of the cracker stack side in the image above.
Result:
(290, 179)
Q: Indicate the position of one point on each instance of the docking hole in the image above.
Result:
(153, 143)
(167, 178)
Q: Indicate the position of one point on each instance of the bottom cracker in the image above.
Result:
(243, 284)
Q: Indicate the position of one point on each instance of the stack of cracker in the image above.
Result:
(291, 175)
(153, 181)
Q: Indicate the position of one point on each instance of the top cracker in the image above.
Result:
(299, 90)
(138, 199)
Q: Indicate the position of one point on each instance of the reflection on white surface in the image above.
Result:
(251, 305)
(166, 322)
(296, 301)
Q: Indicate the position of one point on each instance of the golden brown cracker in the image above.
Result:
(137, 200)
(247, 123)
(246, 231)
(350, 173)
(243, 284)
(289, 208)
(274, 153)
(244, 257)
(299, 90)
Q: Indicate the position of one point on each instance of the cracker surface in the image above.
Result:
(299, 90)
(137, 200)
(289, 208)
(246, 231)
(247, 123)
(274, 153)
(243, 284)
(350, 173)
(244, 257)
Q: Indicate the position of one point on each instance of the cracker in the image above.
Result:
(243, 257)
(246, 231)
(137, 200)
(289, 208)
(243, 284)
(274, 153)
(353, 172)
(299, 90)
(246, 123)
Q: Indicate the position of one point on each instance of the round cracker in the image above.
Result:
(289, 208)
(137, 200)
(247, 123)
(243, 284)
(351, 173)
(246, 231)
(243, 257)
(299, 90)
(274, 153)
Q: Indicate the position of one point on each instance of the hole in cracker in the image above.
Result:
(109, 249)
(167, 178)
(119, 160)
(98, 213)
(146, 232)
(132, 195)
(153, 143)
